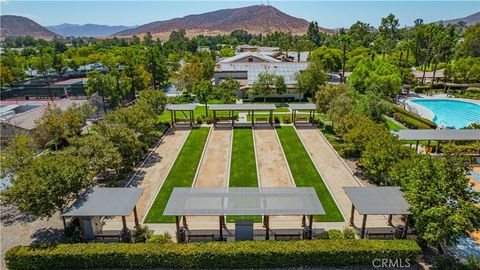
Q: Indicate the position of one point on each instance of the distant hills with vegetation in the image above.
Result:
(257, 19)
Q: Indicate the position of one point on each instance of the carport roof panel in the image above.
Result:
(378, 200)
(181, 107)
(242, 107)
(303, 106)
(243, 201)
(439, 134)
(105, 202)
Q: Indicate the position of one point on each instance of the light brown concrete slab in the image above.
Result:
(213, 171)
(334, 172)
(272, 166)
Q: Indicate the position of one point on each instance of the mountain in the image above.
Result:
(254, 19)
(18, 26)
(87, 30)
(469, 20)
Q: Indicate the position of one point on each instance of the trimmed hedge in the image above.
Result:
(420, 89)
(245, 254)
(409, 121)
(416, 117)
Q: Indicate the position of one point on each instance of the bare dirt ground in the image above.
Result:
(20, 229)
(153, 173)
(272, 166)
(334, 172)
(214, 170)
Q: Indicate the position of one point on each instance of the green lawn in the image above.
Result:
(392, 125)
(243, 168)
(305, 173)
(181, 174)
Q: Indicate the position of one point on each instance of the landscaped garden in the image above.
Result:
(181, 174)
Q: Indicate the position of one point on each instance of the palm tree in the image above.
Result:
(346, 40)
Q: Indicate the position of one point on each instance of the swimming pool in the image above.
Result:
(451, 113)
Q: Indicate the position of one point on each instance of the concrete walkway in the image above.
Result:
(335, 173)
(152, 175)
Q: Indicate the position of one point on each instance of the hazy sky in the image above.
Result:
(329, 14)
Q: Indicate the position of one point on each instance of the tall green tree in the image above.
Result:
(157, 66)
(55, 126)
(311, 79)
(204, 91)
(49, 184)
(441, 199)
(17, 154)
(189, 75)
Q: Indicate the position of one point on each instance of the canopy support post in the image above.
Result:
(304, 221)
(177, 226)
(184, 221)
(404, 236)
(310, 226)
(352, 216)
(389, 221)
(220, 219)
(266, 220)
(135, 215)
(253, 118)
(364, 224)
(271, 118)
(214, 118)
(416, 147)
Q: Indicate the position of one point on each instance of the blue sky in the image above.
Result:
(329, 14)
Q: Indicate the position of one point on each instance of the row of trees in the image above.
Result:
(57, 162)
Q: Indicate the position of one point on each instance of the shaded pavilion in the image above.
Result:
(438, 135)
(174, 108)
(295, 107)
(377, 201)
(242, 201)
(251, 108)
(97, 203)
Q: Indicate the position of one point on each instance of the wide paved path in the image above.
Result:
(334, 172)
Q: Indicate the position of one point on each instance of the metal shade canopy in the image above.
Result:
(378, 200)
(243, 201)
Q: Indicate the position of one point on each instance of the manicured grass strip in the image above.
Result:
(243, 167)
(181, 174)
(305, 173)
(392, 125)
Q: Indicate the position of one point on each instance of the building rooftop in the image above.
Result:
(26, 119)
(243, 201)
(243, 55)
(105, 202)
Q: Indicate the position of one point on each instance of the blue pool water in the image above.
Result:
(451, 113)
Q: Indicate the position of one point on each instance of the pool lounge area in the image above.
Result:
(446, 113)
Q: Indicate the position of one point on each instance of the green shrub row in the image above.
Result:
(410, 122)
(416, 117)
(474, 90)
(420, 89)
(347, 233)
(245, 254)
